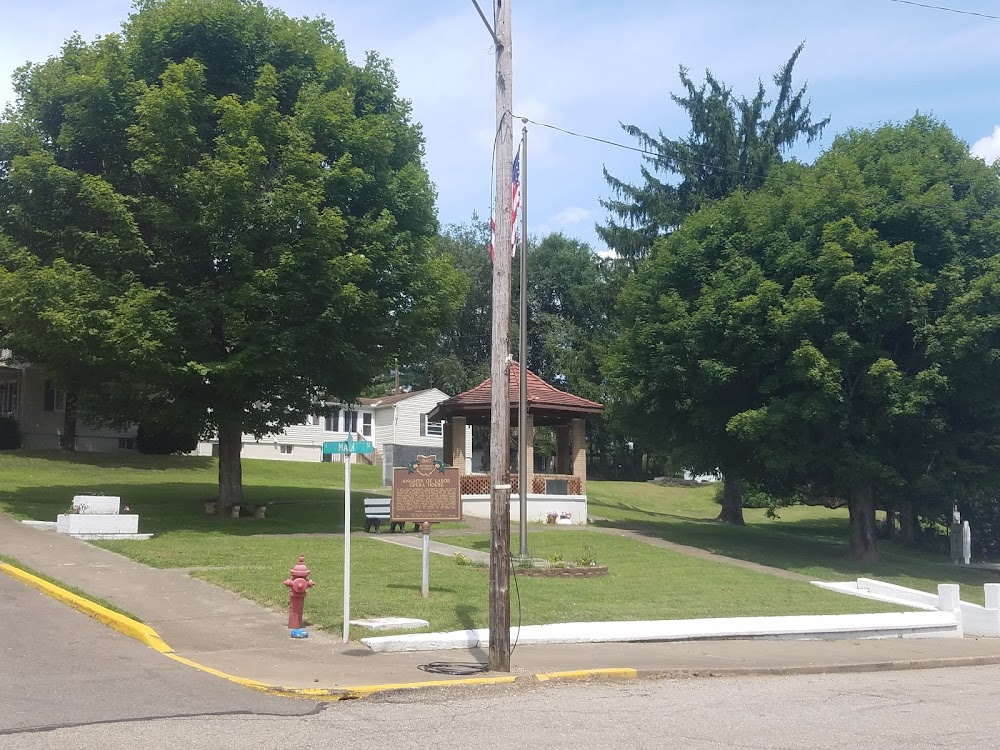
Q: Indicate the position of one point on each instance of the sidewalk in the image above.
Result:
(222, 631)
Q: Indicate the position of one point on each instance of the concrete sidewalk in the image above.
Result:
(222, 631)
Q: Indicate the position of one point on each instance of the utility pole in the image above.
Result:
(500, 353)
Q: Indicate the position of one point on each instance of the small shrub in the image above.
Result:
(587, 559)
(463, 560)
(756, 498)
(556, 561)
(10, 434)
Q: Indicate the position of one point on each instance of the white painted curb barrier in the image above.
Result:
(798, 627)
(973, 619)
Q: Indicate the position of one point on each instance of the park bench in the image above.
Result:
(377, 511)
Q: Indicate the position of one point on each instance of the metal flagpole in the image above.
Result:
(347, 541)
(524, 436)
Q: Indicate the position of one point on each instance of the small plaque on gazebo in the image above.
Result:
(426, 490)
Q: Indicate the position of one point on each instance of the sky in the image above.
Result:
(591, 65)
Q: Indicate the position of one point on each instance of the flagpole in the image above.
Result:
(524, 437)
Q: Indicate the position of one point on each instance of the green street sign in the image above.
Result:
(348, 446)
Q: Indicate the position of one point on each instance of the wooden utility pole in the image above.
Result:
(500, 359)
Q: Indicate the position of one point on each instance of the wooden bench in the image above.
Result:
(377, 511)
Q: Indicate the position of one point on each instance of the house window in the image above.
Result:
(366, 424)
(8, 397)
(430, 429)
(312, 420)
(286, 450)
(126, 444)
(333, 421)
(350, 421)
(54, 399)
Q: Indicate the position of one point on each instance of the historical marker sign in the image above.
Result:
(426, 490)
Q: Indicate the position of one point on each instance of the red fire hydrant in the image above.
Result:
(299, 583)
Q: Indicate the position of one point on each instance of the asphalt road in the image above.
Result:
(59, 668)
(67, 682)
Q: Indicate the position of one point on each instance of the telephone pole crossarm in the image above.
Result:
(489, 28)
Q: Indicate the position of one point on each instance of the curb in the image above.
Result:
(146, 635)
(121, 623)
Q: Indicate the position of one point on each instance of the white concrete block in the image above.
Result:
(391, 623)
(77, 523)
(948, 597)
(539, 506)
(805, 627)
(96, 505)
(882, 589)
(992, 591)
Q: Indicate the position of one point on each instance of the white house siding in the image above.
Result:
(42, 429)
(408, 421)
(304, 441)
(384, 428)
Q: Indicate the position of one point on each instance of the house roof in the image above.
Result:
(546, 403)
(389, 400)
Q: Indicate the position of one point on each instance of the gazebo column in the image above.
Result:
(456, 436)
(580, 452)
(447, 448)
(526, 473)
(562, 449)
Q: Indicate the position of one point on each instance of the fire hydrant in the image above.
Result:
(299, 583)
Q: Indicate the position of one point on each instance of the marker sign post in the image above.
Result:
(422, 492)
(347, 448)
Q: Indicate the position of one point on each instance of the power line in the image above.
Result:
(950, 10)
(752, 175)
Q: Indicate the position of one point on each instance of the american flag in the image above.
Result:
(515, 205)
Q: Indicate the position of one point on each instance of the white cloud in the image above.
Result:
(569, 216)
(988, 147)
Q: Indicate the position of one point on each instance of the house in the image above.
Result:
(396, 425)
(32, 396)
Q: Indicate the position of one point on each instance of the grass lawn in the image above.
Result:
(168, 492)
(306, 512)
(643, 583)
(807, 540)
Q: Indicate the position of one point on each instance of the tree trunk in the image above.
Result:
(636, 462)
(890, 523)
(861, 506)
(67, 441)
(230, 467)
(732, 500)
(908, 523)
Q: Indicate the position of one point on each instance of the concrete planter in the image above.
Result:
(98, 505)
(77, 523)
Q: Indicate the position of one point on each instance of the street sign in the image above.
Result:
(336, 447)
(347, 447)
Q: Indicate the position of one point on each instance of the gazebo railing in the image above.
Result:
(541, 484)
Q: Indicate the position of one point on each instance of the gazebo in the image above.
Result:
(564, 491)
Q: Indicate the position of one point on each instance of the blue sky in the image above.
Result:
(587, 65)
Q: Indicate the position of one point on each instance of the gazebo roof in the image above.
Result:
(546, 404)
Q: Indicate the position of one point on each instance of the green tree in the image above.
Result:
(461, 357)
(732, 145)
(265, 191)
(822, 329)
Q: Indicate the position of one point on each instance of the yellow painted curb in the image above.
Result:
(145, 634)
(121, 623)
(624, 673)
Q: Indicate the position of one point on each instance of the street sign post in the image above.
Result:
(346, 448)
